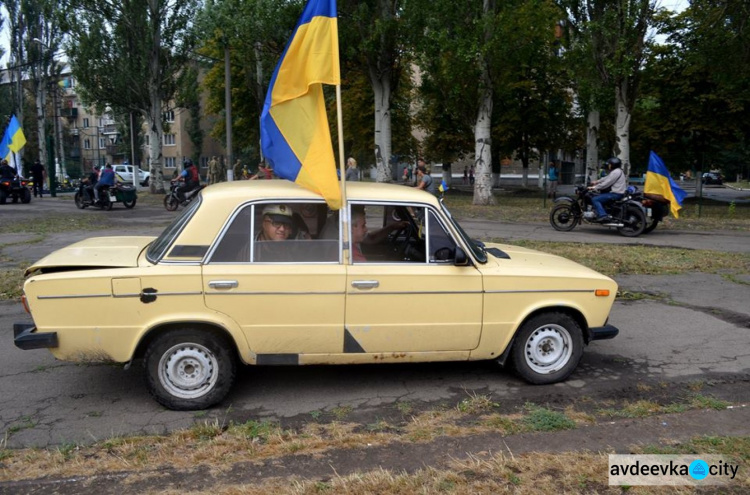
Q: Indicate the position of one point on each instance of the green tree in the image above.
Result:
(128, 54)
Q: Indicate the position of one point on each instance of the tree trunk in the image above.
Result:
(154, 117)
(382, 89)
(622, 127)
(41, 129)
(483, 148)
(592, 146)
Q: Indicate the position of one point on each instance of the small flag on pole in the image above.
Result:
(660, 183)
(443, 186)
(295, 137)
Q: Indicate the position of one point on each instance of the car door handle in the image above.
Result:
(365, 284)
(223, 284)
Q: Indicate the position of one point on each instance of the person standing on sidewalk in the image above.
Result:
(352, 172)
(38, 175)
(553, 175)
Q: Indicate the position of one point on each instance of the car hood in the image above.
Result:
(97, 252)
(527, 266)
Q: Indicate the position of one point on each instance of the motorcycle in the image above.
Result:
(628, 214)
(15, 188)
(656, 207)
(108, 196)
(172, 200)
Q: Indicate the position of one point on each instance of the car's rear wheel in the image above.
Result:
(188, 369)
(547, 348)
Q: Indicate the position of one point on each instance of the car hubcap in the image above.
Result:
(188, 371)
(548, 349)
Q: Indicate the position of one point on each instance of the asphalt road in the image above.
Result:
(697, 329)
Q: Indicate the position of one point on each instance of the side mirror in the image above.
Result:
(461, 258)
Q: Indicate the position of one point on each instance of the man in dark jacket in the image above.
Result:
(38, 175)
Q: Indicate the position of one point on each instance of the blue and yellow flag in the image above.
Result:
(659, 182)
(17, 139)
(443, 186)
(294, 131)
(5, 153)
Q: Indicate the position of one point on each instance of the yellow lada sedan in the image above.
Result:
(260, 273)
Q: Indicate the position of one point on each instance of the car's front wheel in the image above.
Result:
(188, 369)
(547, 348)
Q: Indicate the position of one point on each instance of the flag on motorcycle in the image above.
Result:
(660, 183)
(295, 137)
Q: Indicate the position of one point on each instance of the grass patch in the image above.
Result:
(475, 404)
(11, 282)
(643, 260)
(543, 419)
(53, 224)
(645, 408)
(521, 206)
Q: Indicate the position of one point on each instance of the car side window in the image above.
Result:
(278, 233)
(442, 247)
(387, 233)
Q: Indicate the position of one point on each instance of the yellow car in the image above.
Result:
(259, 273)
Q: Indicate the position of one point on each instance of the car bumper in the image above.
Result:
(603, 333)
(25, 337)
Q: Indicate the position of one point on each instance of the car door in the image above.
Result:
(407, 302)
(288, 296)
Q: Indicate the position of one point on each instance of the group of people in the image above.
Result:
(38, 175)
(98, 179)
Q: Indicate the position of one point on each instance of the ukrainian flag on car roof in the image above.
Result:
(295, 137)
(659, 182)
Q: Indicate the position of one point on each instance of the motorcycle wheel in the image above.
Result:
(80, 204)
(104, 202)
(563, 218)
(26, 196)
(651, 225)
(130, 204)
(170, 202)
(635, 222)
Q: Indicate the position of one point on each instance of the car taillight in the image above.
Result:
(25, 303)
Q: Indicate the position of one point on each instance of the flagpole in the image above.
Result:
(344, 212)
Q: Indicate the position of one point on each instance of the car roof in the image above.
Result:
(283, 189)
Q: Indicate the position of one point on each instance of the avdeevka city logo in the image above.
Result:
(698, 469)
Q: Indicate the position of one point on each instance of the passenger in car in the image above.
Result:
(277, 223)
(361, 235)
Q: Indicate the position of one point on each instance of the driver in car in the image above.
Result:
(361, 235)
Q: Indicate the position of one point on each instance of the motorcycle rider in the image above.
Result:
(191, 178)
(615, 180)
(6, 171)
(106, 179)
(90, 181)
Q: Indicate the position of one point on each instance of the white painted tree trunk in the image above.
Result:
(592, 146)
(483, 149)
(382, 88)
(41, 128)
(154, 117)
(622, 127)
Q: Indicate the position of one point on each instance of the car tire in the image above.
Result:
(547, 348)
(188, 369)
(145, 182)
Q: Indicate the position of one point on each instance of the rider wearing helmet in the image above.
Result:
(191, 178)
(615, 183)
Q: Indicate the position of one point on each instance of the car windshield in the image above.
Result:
(162, 243)
(477, 249)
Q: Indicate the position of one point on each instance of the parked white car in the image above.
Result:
(126, 173)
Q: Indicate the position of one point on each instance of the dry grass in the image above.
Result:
(528, 206)
(643, 260)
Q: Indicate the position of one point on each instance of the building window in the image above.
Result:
(169, 116)
(170, 162)
(102, 143)
(86, 122)
(87, 144)
(169, 139)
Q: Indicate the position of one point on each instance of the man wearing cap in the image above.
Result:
(277, 223)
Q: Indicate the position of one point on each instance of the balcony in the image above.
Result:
(71, 113)
(114, 150)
